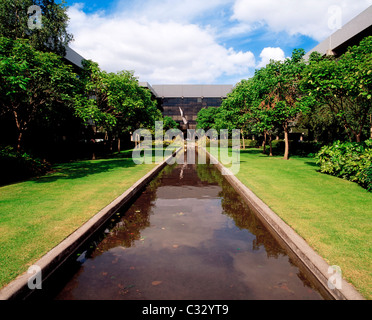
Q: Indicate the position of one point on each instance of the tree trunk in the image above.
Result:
(20, 130)
(358, 137)
(286, 140)
(19, 141)
(271, 146)
(93, 144)
(118, 144)
(264, 144)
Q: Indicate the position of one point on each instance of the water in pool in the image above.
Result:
(188, 236)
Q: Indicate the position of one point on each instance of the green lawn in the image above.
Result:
(38, 214)
(333, 215)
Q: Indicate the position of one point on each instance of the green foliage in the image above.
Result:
(368, 178)
(298, 148)
(16, 166)
(267, 102)
(38, 90)
(323, 125)
(234, 111)
(51, 37)
(344, 85)
(349, 160)
(249, 143)
(169, 123)
(330, 97)
(33, 84)
(206, 118)
(115, 101)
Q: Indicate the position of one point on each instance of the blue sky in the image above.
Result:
(194, 41)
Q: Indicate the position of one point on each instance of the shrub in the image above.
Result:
(15, 166)
(368, 178)
(250, 143)
(303, 148)
(349, 160)
(278, 147)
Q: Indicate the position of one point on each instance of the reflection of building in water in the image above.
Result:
(175, 100)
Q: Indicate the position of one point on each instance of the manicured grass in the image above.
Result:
(334, 216)
(38, 214)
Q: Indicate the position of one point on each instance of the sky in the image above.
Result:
(201, 41)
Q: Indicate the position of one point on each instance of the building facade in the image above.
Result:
(349, 35)
(183, 102)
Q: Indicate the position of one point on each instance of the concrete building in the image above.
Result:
(183, 102)
(349, 35)
(73, 58)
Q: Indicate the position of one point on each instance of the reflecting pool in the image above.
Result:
(188, 236)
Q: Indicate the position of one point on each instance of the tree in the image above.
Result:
(115, 101)
(344, 85)
(323, 125)
(91, 104)
(33, 84)
(131, 104)
(261, 114)
(358, 62)
(206, 118)
(234, 111)
(282, 92)
(169, 123)
(51, 36)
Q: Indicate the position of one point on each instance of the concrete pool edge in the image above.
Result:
(18, 289)
(314, 263)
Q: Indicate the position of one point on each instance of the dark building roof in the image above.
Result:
(73, 57)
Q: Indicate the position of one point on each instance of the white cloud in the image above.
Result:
(158, 52)
(270, 53)
(178, 41)
(306, 17)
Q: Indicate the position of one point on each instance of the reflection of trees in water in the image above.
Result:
(125, 231)
(235, 207)
(128, 229)
(244, 218)
(208, 173)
